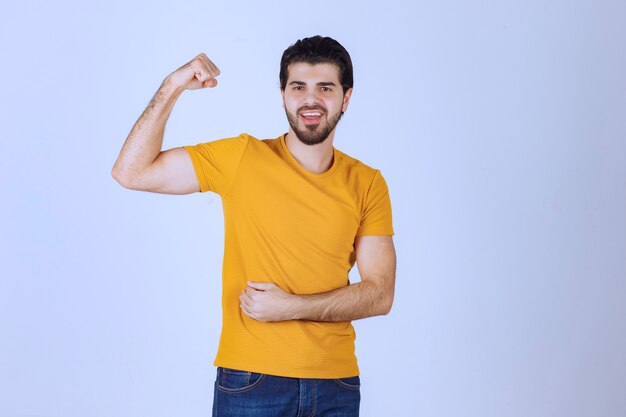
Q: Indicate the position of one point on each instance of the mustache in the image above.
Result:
(314, 107)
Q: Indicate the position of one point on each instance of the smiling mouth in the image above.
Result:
(311, 117)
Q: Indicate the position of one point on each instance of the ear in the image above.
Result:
(346, 100)
(282, 94)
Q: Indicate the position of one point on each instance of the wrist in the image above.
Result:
(170, 88)
(295, 310)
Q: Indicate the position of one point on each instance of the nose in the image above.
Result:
(310, 99)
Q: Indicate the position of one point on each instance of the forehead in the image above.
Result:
(302, 71)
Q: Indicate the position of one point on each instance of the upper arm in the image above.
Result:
(376, 260)
(172, 172)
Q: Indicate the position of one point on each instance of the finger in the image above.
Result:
(245, 299)
(261, 286)
(212, 82)
(213, 68)
(245, 305)
(204, 62)
(200, 63)
(249, 313)
(201, 71)
(245, 310)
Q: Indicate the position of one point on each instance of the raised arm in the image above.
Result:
(373, 296)
(141, 165)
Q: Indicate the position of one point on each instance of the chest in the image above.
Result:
(289, 207)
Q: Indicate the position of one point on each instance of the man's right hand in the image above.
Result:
(200, 72)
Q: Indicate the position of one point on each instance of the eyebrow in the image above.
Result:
(320, 84)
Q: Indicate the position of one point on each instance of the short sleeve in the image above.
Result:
(216, 163)
(376, 216)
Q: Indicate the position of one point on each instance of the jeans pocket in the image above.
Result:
(352, 383)
(234, 380)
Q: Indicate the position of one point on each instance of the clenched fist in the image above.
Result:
(200, 72)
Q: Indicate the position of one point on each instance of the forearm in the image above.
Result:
(373, 296)
(356, 301)
(145, 140)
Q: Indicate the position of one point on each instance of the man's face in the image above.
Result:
(314, 100)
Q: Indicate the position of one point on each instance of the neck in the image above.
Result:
(314, 158)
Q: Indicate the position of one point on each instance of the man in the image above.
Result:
(298, 213)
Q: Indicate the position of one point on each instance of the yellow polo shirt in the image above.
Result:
(286, 225)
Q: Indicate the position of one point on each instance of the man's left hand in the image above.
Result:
(265, 301)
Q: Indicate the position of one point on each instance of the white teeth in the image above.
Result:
(311, 114)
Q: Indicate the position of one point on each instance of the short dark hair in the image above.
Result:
(318, 50)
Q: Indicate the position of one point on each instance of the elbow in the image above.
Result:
(122, 178)
(385, 304)
(381, 299)
(118, 176)
(115, 173)
(386, 307)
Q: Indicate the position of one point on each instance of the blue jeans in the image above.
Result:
(241, 393)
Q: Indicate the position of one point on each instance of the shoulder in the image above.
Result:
(355, 168)
(253, 141)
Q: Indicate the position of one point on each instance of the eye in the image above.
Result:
(326, 89)
(298, 87)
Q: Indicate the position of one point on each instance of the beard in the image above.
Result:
(313, 134)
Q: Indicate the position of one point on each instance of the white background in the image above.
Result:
(500, 127)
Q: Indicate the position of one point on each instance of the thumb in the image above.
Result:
(261, 286)
(211, 82)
